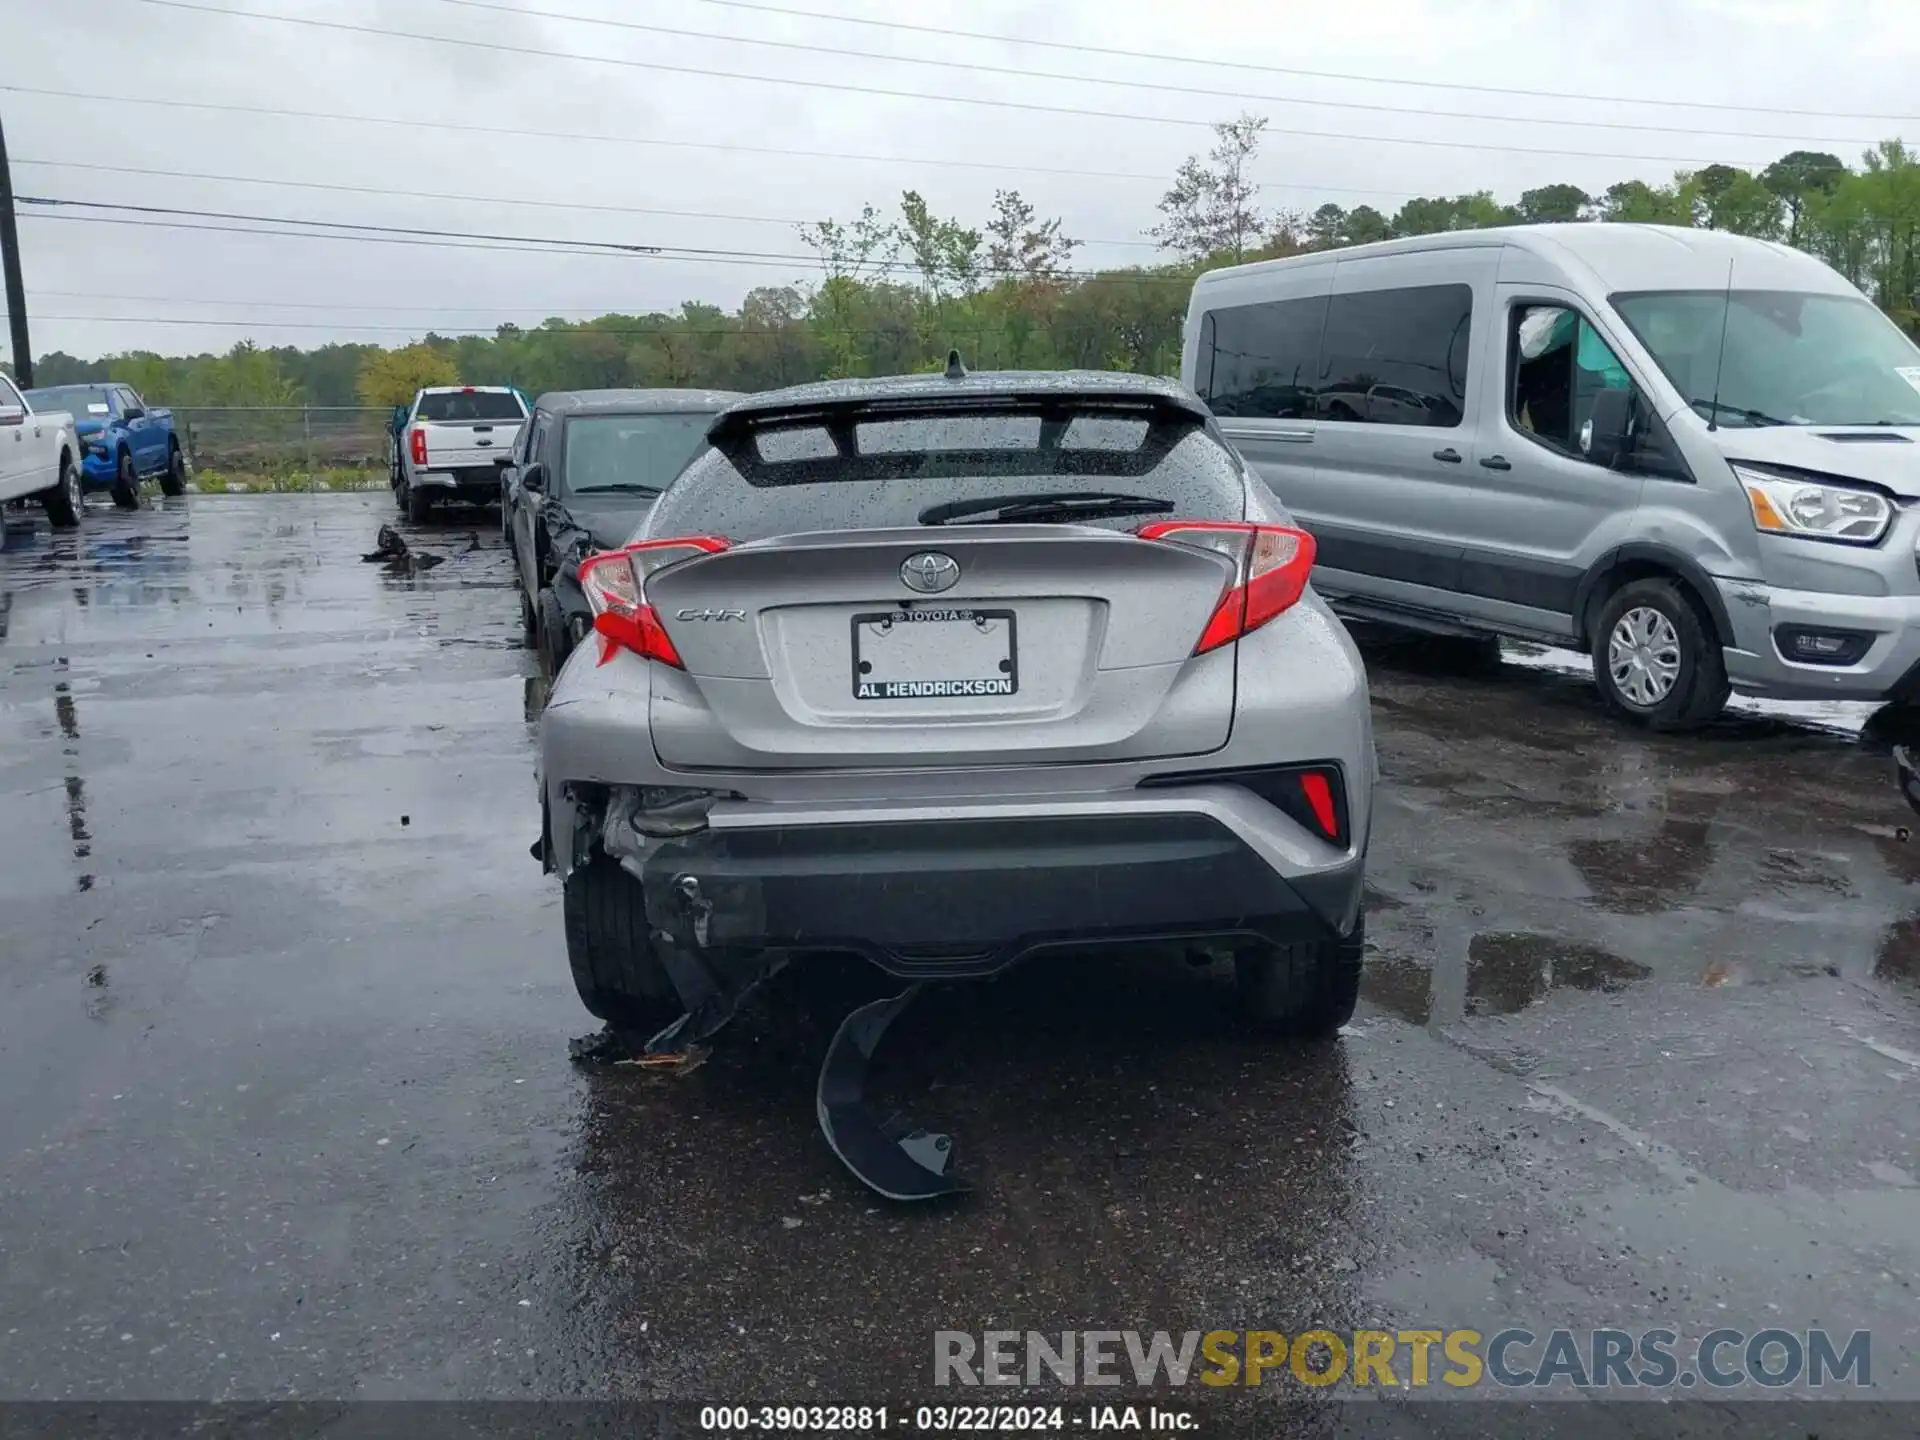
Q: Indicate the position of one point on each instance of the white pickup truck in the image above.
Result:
(451, 444)
(38, 456)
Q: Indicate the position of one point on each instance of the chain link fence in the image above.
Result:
(275, 439)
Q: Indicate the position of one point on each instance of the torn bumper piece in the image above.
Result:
(966, 898)
(943, 899)
(899, 1161)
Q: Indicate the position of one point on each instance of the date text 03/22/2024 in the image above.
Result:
(944, 1419)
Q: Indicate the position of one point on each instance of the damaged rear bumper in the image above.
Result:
(951, 899)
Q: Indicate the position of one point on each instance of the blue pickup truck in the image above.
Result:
(123, 440)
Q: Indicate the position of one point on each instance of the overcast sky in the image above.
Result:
(1101, 173)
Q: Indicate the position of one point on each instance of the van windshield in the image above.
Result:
(1791, 358)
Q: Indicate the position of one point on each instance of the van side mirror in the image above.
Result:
(533, 477)
(1608, 432)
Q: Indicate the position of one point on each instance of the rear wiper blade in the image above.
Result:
(620, 487)
(1067, 505)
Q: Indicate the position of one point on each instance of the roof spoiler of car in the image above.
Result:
(837, 414)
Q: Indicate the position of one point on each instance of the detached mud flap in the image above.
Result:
(897, 1162)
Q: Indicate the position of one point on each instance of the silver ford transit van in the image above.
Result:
(1694, 454)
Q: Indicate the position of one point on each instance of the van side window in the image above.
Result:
(1556, 364)
(1397, 357)
(1257, 361)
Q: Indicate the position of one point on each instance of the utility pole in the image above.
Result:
(10, 263)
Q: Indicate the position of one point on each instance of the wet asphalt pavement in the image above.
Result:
(284, 1012)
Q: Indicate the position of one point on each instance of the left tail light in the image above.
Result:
(417, 446)
(1271, 566)
(615, 583)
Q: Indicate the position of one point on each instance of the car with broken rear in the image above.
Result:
(587, 465)
(952, 673)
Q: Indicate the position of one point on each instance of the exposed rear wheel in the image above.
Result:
(610, 949)
(126, 484)
(419, 504)
(556, 641)
(1307, 989)
(529, 622)
(62, 503)
(174, 481)
(1656, 658)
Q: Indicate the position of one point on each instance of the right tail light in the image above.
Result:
(1271, 566)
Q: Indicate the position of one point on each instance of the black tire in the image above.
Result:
(174, 480)
(556, 641)
(419, 504)
(1306, 990)
(610, 949)
(62, 503)
(1698, 689)
(126, 483)
(529, 622)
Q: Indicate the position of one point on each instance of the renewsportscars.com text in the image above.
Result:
(1406, 1359)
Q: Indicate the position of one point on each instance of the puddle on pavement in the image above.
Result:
(1646, 874)
(1898, 959)
(1506, 971)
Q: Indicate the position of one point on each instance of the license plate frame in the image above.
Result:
(865, 688)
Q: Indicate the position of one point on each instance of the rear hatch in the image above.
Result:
(863, 623)
(467, 427)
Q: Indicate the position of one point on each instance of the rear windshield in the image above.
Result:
(881, 473)
(78, 401)
(470, 405)
(619, 452)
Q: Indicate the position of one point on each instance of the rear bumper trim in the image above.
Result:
(966, 898)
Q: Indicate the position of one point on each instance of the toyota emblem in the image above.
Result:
(929, 572)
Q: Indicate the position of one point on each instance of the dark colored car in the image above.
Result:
(588, 465)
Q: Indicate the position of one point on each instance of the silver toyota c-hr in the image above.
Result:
(953, 672)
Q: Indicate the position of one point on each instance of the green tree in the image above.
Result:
(1553, 203)
(1020, 246)
(1213, 209)
(390, 377)
(1800, 176)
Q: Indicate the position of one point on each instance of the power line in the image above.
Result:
(518, 132)
(555, 311)
(1206, 91)
(468, 199)
(581, 328)
(919, 97)
(514, 245)
(1080, 48)
(353, 225)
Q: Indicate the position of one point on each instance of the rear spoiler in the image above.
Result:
(837, 415)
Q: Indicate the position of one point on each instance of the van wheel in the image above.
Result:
(610, 949)
(1656, 658)
(1305, 990)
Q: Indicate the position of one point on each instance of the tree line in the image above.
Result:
(900, 286)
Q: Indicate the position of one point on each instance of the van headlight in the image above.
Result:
(1813, 510)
